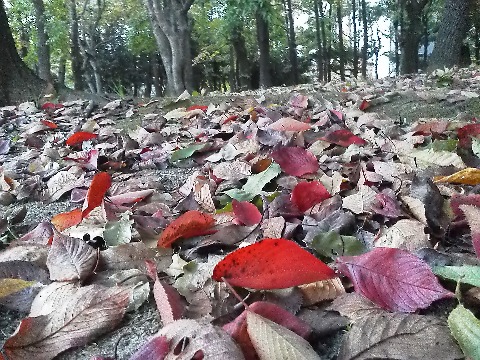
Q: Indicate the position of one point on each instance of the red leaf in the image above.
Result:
(343, 137)
(156, 348)
(238, 327)
(394, 279)
(50, 124)
(472, 215)
(457, 200)
(195, 107)
(364, 105)
(192, 223)
(466, 133)
(67, 219)
(289, 124)
(246, 212)
(296, 161)
(80, 137)
(271, 264)
(306, 194)
(230, 118)
(101, 182)
(52, 106)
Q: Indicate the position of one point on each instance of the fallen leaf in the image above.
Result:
(295, 161)
(393, 279)
(465, 328)
(318, 291)
(79, 137)
(101, 182)
(67, 219)
(307, 194)
(468, 176)
(155, 349)
(246, 213)
(192, 223)
(465, 274)
(472, 215)
(343, 137)
(289, 124)
(271, 264)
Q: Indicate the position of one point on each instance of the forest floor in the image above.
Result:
(30, 149)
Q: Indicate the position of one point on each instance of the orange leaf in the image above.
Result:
(101, 182)
(469, 176)
(80, 137)
(271, 264)
(67, 219)
(192, 223)
(50, 124)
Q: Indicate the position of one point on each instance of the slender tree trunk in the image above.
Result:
(355, 39)
(149, 77)
(453, 30)
(263, 39)
(292, 44)
(17, 81)
(62, 69)
(157, 75)
(477, 43)
(318, 37)
(43, 48)
(365, 40)
(241, 55)
(341, 49)
(75, 55)
(329, 51)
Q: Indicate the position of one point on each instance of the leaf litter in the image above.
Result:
(326, 196)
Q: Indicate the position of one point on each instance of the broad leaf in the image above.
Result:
(289, 124)
(468, 176)
(79, 137)
(273, 341)
(296, 161)
(472, 214)
(101, 182)
(393, 279)
(331, 244)
(271, 264)
(192, 223)
(67, 219)
(187, 152)
(246, 213)
(465, 328)
(466, 274)
(343, 137)
(307, 194)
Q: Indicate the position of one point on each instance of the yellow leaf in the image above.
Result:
(321, 290)
(11, 286)
(468, 176)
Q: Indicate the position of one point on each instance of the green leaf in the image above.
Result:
(331, 244)
(465, 328)
(185, 153)
(466, 274)
(444, 145)
(118, 232)
(255, 184)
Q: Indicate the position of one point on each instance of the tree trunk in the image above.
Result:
(341, 49)
(43, 48)
(17, 81)
(411, 36)
(62, 67)
(477, 43)
(263, 39)
(365, 40)
(157, 76)
(318, 37)
(241, 55)
(355, 39)
(453, 30)
(292, 43)
(75, 55)
(171, 29)
(329, 48)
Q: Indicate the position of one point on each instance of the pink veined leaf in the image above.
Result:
(386, 205)
(392, 278)
(343, 137)
(238, 327)
(457, 200)
(289, 124)
(246, 213)
(466, 133)
(296, 161)
(156, 348)
(472, 214)
(306, 194)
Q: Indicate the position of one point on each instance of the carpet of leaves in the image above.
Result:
(295, 213)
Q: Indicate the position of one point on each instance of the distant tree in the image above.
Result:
(292, 44)
(451, 36)
(43, 47)
(341, 48)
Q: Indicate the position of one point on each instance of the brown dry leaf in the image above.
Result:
(64, 181)
(416, 207)
(407, 234)
(273, 341)
(321, 290)
(187, 337)
(70, 259)
(468, 176)
(234, 170)
(361, 201)
(76, 316)
(203, 196)
(354, 306)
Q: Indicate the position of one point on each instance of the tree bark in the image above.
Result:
(263, 39)
(292, 43)
(171, 29)
(75, 55)
(17, 81)
(365, 40)
(43, 48)
(318, 37)
(341, 49)
(242, 72)
(411, 36)
(355, 39)
(453, 30)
